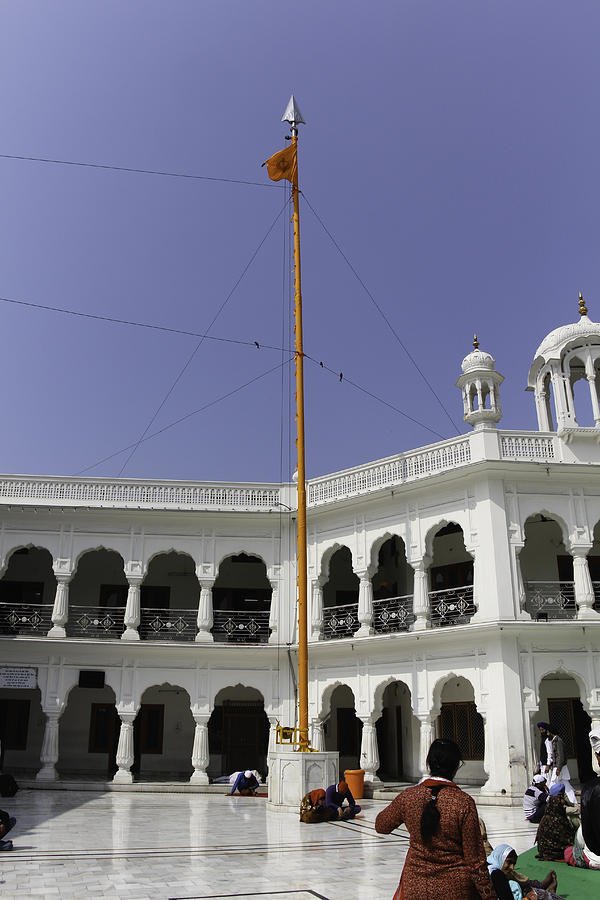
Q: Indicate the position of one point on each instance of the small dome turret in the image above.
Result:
(480, 386)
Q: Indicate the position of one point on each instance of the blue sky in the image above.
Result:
(451, 150)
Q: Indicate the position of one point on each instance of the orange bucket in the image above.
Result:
(355, 779)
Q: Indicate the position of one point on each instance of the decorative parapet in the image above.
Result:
(389, 472)
(128, 494)
(528, 446)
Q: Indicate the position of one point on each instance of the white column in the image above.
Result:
(420, 595)
(425, 740)
(318, 735)
(365, 605)
(60, 611)
(132, 610)
(49, 752)
(479, 615)
(271, 749)
(200, 750)
(274, 614)
(316, 617)
(125, 755)
(369, 751)
(594, 395)
(584, 590)
(520, 584)
(205, 610)
(541, 404)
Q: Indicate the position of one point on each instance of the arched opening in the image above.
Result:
(169, 598)
(582, 400)
(340, 596)
(97, 595)
(460, 721)
(451, 578)
(342, 728)
(163, 734)
(397, 737)
(22, 724)
(89, 728)
(392, 588)
(560, 704)
(238, 732)
(241, 600)
(547, 570)
(27, 591)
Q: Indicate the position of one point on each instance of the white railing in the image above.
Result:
(389, 472)
(550, 599)
(136, 494)
(519, 445)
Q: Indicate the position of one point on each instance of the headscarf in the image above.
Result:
(595, 739)
(496, 860)
(247, 774)
(557, 789)
(316, 795)
(539, 779)
(343, 787)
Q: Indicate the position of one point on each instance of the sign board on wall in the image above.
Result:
(18, 677)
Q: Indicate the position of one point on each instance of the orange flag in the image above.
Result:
(283, 164)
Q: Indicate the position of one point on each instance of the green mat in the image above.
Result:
(573, 884)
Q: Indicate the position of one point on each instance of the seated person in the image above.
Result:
(246, 784)
(511, 885)
(335, 796)
(555, 832)
(7, 823)
(313, 809)
(534, 801)
(585, 852)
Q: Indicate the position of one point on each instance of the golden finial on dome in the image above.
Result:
(475, 342)
(583, 311)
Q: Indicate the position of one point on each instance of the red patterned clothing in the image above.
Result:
(453, 864)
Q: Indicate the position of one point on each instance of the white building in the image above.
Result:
(455, 590)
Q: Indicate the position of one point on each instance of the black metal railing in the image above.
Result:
(393, 614)
(550, 600)
(240, 626)
(25, 618)
(340, 621)
(453, 606)
(168, 624)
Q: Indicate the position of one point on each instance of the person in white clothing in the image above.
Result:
(557, 764)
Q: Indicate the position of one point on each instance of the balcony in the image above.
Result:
(25, 618)
(453, 606)
(340, 621)
(240, 626)
(545, 600)
(393, 614)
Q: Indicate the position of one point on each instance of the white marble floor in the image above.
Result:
(74, 845)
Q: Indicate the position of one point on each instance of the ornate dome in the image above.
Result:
(553, 344)
(477, 359)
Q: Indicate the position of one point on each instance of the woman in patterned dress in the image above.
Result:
(446, 856)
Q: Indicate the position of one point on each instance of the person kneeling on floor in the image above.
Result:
(246, 784)
(534, 801)
(313, 809)
(335, 796)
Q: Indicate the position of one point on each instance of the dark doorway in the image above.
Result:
(389, 743)
(573, 725)
(245, 735)
(147, 733)
(105, 726)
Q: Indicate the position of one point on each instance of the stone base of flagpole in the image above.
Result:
(293, 774)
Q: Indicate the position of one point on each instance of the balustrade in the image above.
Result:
(240, 626)
(551, 599)
(340, 621)
(95, 621)
(168, 624)
(25, 618)
(393, 614)
(453, 606)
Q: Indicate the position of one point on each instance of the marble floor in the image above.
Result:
(79, 844)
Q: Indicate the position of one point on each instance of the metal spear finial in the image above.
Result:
(583, 311)
(292, 113)
(475, 342)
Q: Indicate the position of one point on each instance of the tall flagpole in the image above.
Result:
(300, 447)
